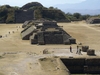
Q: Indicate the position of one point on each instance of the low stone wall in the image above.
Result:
(85, 48)
(82, 65)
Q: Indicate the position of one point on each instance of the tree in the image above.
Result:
(68, 14)
(84, 17)
(77, 15)
(52, 8)
(38, 14)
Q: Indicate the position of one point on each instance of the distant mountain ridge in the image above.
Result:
(85, 7)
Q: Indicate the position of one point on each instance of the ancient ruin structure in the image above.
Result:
(86, 63)
(51, 61)
(82, 65)
(25, 12)
(93, 20)
(31, 4)
(23, 15)
(45, 32)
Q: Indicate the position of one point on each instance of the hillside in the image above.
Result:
(29, 11)
(30, 5)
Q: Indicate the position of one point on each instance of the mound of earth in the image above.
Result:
(32, 4)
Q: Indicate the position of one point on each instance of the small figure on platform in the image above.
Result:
(80, 52)
(77, 49)
(71, 49)
(9, 32)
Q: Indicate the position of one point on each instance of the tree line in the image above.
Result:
(7, 14)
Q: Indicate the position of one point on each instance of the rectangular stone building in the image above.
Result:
(23, 15)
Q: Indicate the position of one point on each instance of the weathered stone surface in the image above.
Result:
(93, 61)
(93, 20)
(23, 15)
(25, 24)
(47, 32)
(91, 52)
(85, 48)
(27, 33)
(82, 65)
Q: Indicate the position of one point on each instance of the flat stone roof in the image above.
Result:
(65, 53)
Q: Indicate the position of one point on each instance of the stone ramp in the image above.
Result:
(27, 33)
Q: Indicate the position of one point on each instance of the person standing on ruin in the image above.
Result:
(80, 52)
(70, 49)
(9, 32)
(77, 49)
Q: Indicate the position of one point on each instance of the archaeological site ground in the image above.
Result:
(20, 57)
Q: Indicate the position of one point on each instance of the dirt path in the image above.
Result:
(19, 57)
(84, 33)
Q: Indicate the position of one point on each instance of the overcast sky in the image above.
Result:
(46, 3)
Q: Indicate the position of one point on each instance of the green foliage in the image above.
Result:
(3, 13)
(38, 14)
(77, 16)
(31, 5)
(51, 8)
(16, 8)
(84, 17)
(53, 14)
(50, 13)
(10, 16)
(7, 13)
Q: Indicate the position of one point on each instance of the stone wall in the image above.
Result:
(93, 20)
(82, 65)
(23, 15)
(53, 37)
